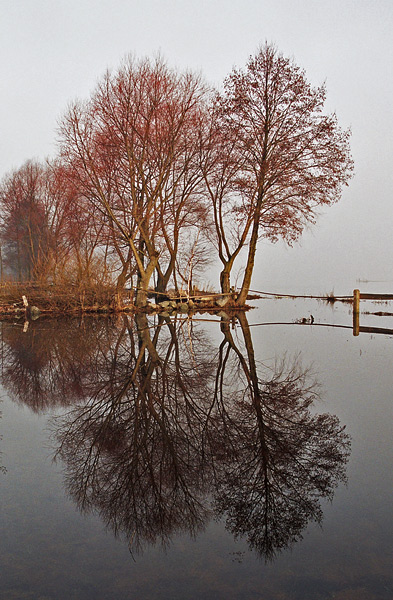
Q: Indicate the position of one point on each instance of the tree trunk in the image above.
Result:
(225, 282)
(225, 279)
(242, 297)
(162, 281)
(121, 281)
(225, 275)
(141, 291)
(144, 280)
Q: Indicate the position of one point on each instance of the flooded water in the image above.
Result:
(213, 458)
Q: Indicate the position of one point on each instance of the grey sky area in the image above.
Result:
(53, 51)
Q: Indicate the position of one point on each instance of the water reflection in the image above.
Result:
(280, 458)
(164, 431)
(51, 362)
(2, 467)
(136, 451)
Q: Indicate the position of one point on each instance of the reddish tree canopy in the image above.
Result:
(133, 149)
(153, 159)
(293, 158)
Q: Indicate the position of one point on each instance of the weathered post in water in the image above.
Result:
(356, 310)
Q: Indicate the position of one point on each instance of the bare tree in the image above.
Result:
(277, 158)
(133, 149)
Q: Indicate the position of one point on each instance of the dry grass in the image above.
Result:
(57, 298)
(70, 299)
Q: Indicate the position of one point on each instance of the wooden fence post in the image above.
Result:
(356, 310)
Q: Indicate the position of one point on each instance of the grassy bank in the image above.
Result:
(56, 298)
(71, 299)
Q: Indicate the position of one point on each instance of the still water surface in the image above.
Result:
(205, 458)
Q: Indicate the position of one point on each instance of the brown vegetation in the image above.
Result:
(61, 299)
(157, 173)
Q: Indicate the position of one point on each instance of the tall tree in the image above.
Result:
(292, 159)
(221, 164)
(133, 149)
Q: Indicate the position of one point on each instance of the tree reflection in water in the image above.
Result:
(2, 467)
(279, 458)
(52, 361)
(165, 431)
(136, 451)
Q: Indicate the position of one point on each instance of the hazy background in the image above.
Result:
(52, 51)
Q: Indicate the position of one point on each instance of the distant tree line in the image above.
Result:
(158, 174)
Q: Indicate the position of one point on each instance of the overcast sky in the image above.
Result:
(53, 51)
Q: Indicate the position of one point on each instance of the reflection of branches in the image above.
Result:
(135, 451)
(163, 434)
(47, 364)
(2, 468)
(281, 459)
